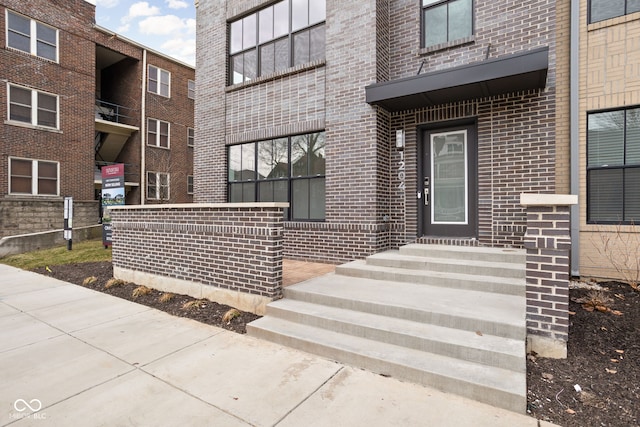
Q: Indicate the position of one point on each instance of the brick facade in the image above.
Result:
(371, 186)
(230, 254)
(86, 72)
(608, 80)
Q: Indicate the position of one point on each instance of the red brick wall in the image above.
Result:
(178, 111)
(72, 79)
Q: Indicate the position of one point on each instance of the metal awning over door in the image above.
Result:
(506, 74)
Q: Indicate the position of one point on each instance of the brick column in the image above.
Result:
(548, 244)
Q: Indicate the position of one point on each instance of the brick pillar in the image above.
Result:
(548, 244)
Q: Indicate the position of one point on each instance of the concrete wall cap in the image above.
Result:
(532, 199)
(203, 206)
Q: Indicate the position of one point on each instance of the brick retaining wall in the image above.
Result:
(228, 253)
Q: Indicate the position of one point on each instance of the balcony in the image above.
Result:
(112, 132)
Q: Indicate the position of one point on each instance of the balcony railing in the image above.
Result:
(113, 112)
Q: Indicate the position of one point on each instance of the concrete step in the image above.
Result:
(509, 255)
(458, 280)
(464, 345)
(397, 259)
(484, 312)
(495, 386)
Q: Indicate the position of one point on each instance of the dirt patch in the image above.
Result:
(603, 351)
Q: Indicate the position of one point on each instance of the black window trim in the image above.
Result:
(290, 178)
(448, 43)
(622, 167)
(289, 37)
(589, 21)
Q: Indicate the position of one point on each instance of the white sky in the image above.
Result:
(167, 26)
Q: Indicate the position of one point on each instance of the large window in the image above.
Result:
(290, 169)
(35, 177)
(159, 81)
(157, 186)
(613, 166)
(32, 37)
(33, 107)
(158, 133)
(285, 34)
(599, 10)
(446, 21)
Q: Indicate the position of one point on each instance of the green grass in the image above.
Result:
(86, 251)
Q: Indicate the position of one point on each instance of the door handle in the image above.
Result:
(426, 197)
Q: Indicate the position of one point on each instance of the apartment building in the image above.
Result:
(609, 138)
(382, 122)
(79, 97)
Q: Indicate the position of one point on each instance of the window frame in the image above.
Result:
(158, 134)
(189, 184)
(35, 172)
(34, 108)
(423, 24)
(590, 12)
(255, 48)
(590, 169)
(158, 81)
(32, 36)
(191, 137)
(191, 89)
(158, 186)
(292, 179)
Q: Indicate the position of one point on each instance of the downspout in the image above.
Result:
(143, 132)
(575, 141)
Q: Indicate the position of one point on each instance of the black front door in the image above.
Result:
(448, 200)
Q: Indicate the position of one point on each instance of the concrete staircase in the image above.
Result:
(449, 317)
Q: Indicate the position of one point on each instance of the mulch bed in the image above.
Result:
(603, 360)
(603, 351)
(203, 311)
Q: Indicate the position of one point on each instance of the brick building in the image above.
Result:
(79, 97)
(608, 166)
(382, 122)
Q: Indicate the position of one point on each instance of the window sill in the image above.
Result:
(32, 55)
(284, 73)
(448, 45)
(159, 94)
(157, 146)
(30, 126)
(23, 196)
(613, 21)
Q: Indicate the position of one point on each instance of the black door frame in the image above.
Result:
(467, 231)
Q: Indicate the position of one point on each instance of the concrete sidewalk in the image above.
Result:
(80, 357)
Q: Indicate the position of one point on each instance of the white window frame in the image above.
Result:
(34, 107)
(191, 137)
(189, 184)
(33, 36)
(34, 177)
(156, 143)
(191, 89)
(160, 72)
(158, 186)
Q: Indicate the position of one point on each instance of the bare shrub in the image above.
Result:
(621, 247)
